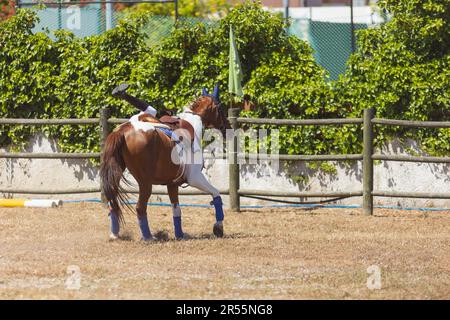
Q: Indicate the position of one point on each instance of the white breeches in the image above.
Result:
(195, 178)
(150, 110)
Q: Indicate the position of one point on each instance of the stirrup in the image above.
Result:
(120, 89)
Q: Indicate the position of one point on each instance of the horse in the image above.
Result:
(145, 147)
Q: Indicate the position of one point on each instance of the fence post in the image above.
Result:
(176, 11)
(105, 114)
(369, 114)
(233, 165)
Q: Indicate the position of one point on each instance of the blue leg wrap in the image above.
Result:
(115, 225)
(177, 225)
(217, 202)
(143, 224)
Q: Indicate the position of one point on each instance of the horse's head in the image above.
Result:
(209, 108)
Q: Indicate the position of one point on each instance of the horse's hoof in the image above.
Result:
(185, 236)
(151, 239)
(162, 235)
(218, 229)
(113, 237)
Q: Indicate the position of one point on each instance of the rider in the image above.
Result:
(120, 92)
(193, 172)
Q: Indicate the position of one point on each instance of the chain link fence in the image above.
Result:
(327, 29)
(86, 18)
(92, 18)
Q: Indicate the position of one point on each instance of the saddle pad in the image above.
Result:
(168, 133)
(168, 122)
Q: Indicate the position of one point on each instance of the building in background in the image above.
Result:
(316, 3)
(328, 25)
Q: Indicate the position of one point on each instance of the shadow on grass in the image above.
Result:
(163, 236)
(281, 209)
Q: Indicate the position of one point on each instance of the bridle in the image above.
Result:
(216, 104)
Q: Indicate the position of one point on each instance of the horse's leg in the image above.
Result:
(115, 225)
(176, 210)
(196, 179)
(145, 192)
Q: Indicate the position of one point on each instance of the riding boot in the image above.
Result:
(120, 92)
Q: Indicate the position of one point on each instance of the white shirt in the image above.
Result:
(188, 116)
(197, 124)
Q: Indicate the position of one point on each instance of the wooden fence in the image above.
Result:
(234, 191)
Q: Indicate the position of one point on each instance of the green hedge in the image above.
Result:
(403, 74)
(63, 78)
(403, 70)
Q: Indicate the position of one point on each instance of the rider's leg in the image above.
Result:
(150, 110)
(120, 92)
(196, 179)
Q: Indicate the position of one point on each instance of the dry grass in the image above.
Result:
(266, 254)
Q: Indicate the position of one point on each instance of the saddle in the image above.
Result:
(169, 122)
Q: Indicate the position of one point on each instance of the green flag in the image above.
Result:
(235, 70)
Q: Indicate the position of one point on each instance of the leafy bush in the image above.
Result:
(73, 77)
(28, 64)
(403, 70)
(65, 78)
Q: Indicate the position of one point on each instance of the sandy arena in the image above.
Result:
(266, 254)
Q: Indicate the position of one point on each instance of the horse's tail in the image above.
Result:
(111, 172)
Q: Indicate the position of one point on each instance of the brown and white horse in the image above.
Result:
(145, 148)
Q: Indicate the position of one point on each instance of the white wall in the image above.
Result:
(361, 14)
(389, 176)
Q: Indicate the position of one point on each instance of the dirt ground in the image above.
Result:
(64, 253)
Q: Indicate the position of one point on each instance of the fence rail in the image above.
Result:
(59, 155)
(330, 194)
(428, 195)
(406, 123)
(97, 190)
(410, 158)
(234, 191)
(302, 122)
(304, 157)
(44, 122)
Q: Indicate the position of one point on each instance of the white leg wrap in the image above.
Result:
(176, 210)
